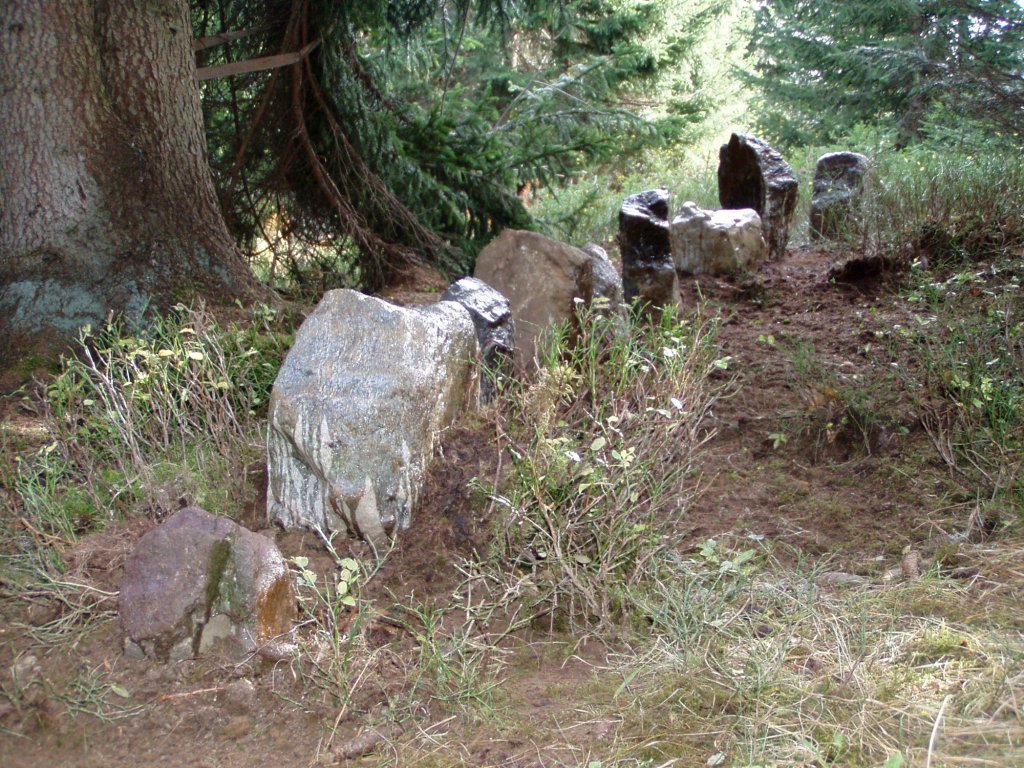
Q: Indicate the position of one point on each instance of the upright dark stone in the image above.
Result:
(838, 185)
(753, 175)
(648, 271)
(495, 331)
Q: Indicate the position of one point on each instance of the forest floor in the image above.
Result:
(822, 462)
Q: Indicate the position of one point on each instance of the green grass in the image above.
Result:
(968, 381)
(604, 445)
(786, 672)
(133, 421)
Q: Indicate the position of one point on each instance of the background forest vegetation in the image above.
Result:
(413, 125)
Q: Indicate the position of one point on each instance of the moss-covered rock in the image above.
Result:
(199, 579)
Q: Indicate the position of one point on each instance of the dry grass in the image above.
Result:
(762, 667)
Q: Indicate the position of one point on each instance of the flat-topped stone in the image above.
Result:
(357, 408)
(716, 241)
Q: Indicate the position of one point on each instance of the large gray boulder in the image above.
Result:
(839, 179)
(197, 579)
(716, 241)
(648, 272)
(542, 279)
(753, 175)
(356, 411)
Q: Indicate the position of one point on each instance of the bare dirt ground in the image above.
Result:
(783, 467)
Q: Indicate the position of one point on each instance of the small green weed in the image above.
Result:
(130, 398)
(841, 408)
(91, 694)
(456, 666)
(335, 659)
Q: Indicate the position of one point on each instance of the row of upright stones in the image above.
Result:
(758, 192)
(368, 387)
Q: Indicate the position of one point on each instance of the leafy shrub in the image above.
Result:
(178, 404)
(130, 398)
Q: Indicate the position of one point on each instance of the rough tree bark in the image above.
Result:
(106, 199)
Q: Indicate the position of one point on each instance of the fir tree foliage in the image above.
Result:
(404, 134)
(823, 66)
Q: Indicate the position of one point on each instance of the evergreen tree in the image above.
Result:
(825, 65)
(408, 125)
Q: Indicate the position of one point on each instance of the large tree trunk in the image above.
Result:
(106, 199)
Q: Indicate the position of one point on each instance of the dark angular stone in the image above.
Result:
(753, 175)
(495, 330)
(490, 310)
(648, 271)
(838, 186)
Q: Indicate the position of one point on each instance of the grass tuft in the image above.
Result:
(604, 444)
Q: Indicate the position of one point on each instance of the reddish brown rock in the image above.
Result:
(197, 580)
(542, 279)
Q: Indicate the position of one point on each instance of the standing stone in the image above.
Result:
(490, 311)
(753, 175)
(495, 330)
(356, 410)
(716, 241)
(838, 186)
(607, 282)
(648, 272)
(542, 279)
(197, 579)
